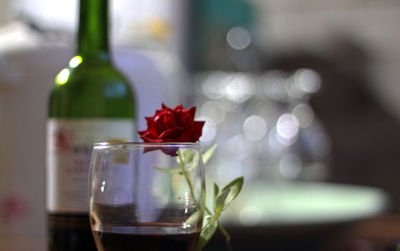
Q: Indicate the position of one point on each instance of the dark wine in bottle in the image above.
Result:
(91, 101)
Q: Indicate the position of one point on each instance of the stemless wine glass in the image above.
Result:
(146, 196)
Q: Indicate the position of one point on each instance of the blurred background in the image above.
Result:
(300, 95)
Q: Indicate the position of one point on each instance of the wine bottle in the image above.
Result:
(91, 101)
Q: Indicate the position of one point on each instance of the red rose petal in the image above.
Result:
(171, 133)
(172, 125)
(147, 137)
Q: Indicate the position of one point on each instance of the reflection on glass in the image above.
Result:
(62, 77)
(75, 61)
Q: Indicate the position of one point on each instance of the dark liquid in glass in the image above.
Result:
(127, 237)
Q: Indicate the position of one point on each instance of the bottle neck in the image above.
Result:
(93, 30)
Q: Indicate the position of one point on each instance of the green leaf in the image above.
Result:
(194, 159)
(220, 202)
(207, 155)
(195, 162)
(232, 189)
(194, 218)
(209, 227)
(187, 155)
(216, 190)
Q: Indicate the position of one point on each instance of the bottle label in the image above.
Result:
(69, 148)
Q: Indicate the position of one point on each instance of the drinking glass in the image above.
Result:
(146, 196)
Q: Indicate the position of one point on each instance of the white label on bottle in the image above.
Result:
(69, 148)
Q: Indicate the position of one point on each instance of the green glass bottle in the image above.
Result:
(91, 101)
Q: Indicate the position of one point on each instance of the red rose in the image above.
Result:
(172, 125)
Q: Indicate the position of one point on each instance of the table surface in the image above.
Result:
(378, 233)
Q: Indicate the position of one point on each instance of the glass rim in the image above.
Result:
(101, 145)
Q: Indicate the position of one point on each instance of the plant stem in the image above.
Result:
(225, 233)
(222, 229)
(182, 165)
